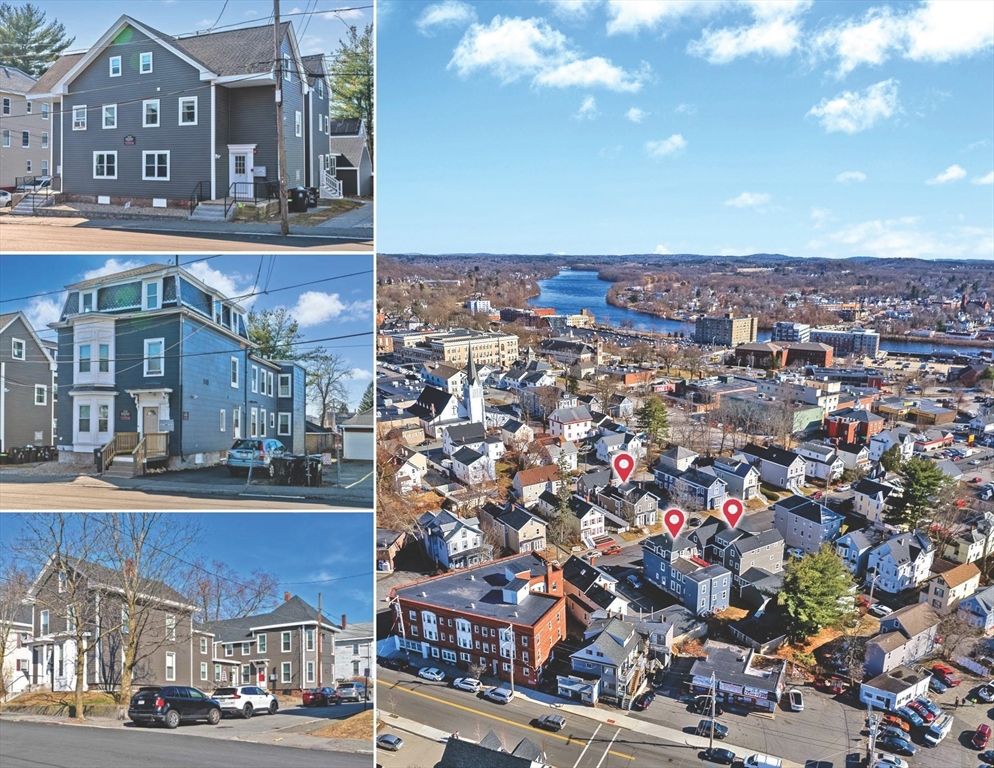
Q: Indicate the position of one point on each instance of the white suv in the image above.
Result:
(245, 700)
(352, 692)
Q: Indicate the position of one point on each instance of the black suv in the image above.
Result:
(171, 705)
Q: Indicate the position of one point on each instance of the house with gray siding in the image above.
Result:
(353, 162)
(154, 357)
(25, 126)
(27, 385)
(158, 121)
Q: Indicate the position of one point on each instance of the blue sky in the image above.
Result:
(317, 32)
(308, 552)
(323, 310)
(601, 126)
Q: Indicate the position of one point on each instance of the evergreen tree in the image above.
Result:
(368, 399)
(351, 74)
(890, 459)
(922, 480)
(653, 419)
(27, 42)
(559, 528)
(276, 333)
(816, 592)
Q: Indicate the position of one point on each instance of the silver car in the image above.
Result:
(255, 453)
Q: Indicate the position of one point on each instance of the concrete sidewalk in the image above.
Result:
(281, 737)
(610, 717)
(419, 729)
(359, 218)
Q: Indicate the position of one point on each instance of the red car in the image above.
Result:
(946, 675)
(320, 697)
(614, 549)
(981, 737)
(833, 685)
(926, 715)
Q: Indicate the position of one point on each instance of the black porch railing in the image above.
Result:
(34, 187)
(251, 192)
(198, 194)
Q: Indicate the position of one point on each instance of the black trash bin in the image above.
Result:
(314, 469)
(312, 197)
(298, 200)
(16, 455)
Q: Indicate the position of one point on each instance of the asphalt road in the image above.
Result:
(35, 745)
(66, 236)
(584, 743)
(66, 496)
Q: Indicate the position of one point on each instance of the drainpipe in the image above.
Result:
(3, 406)
(177, 419)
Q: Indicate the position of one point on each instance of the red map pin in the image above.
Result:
(674, 520)
(623, 464)
(732, 509)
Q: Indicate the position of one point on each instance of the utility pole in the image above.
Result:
(320, 677)
(280, 140)
(711, 741)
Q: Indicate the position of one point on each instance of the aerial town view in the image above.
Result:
(685, 385)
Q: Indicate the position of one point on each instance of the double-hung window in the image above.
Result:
(79, 118)
(152, 295)
(84, 358)
(26, 139)
(103, 418)
(234, 373)
(105, 165)
(155, 165)
(41, 394)
(150, 113)
(255, 378)
(18, 349)
(170, 666)
(103, 358)
(154, 356)
(261, 643)
(298, 123)
(44, 110)
(44, 139)
(284, 385)
(284, 425)
(6, 137)
(115, 66)
(285, 672)
(84, 419)
(309, 638)
(145, 63)
(188, 110)
(285, 641)
(170, 627)
(6, 105)
(109, 115)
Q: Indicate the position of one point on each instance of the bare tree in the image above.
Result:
(14, 583)
(220, 592)
(958, 634)
(326, 383)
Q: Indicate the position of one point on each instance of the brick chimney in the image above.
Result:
(286, 597)
(344, 623)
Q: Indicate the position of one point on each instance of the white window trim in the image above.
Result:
(261, 644)
(76, 124)
(158, 114)
(196, 110)
(44, 110)
(255, 379)
(105, 176)
(203, 645)
(26, 135)
(203, 670)
(169, 164)
(271, 378)
(170, 627)
(141, 63)
(162, 356)
(298, 123)
(103, 117)
(24, 349)
(288, 385)
(253, 422)
(286, 673)
(272, 419)
(262, 422)
(44, 394)
(91, 294)
(237, 371)
(170, 678)
(44, 139)
(286, 69)
(310, 671)
(288, 636)
(309, 639)
(6, 137)
(279, 431)
(158, 294)
(110, 66)
(224, 419)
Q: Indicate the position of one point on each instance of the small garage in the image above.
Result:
(357, 437)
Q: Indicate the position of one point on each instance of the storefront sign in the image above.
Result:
(756, 693)
(730, 688)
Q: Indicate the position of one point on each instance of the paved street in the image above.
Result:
(81, 236)
(70, 496)
(32, 745)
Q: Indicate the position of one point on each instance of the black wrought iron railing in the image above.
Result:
(252, 191)
(199, 194)
(36, 189)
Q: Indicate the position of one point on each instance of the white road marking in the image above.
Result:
(587, 746)
(610, 744)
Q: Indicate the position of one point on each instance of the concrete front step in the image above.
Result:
(210, 212)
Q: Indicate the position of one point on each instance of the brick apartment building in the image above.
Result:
(473, 618)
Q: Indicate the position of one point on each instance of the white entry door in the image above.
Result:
(241, 169)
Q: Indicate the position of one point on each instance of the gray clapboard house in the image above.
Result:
(166, 121)
(27, 385)
(155, 366)
(353, 163)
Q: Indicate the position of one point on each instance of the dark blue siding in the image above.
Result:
(63, 407)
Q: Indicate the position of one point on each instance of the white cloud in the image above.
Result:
(251, 14)
(514, 48)
(44, 310)
(819, 216)
(775, 31)
(902, 238)
(111, 266)
(988, 179)
(361, 374)
(316, 307)
(749, 200)
(573, 9)
(449, 13)
(673, 145)
(631, 17)
(587, 110)
(855, 111)
(230, 285)
(662, 250)
(685, 109)
(344, 14)
(952, 173)
(846, 176)
(636, 115)
(932, 31)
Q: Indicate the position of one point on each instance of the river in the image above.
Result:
(574, 289)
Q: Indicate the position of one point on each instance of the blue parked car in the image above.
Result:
(254, 452)
(898, 746)
(937, 685)
(909, 715)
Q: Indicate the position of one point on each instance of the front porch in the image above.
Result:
(130, 454)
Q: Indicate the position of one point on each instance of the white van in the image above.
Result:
(762, 761)
(938, 730)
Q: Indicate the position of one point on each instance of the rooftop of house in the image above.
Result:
(293, 610)
(738, 665)
(960, 574)
(583, 575)
(536, 475)
(772, 454)
(479, 591)
(897, 680)
(805, 508)
(912, 619)
(13, 80)
(616, 640)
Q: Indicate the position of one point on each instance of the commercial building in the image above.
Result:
(793, 332)
(741, 676)
(856, 341)
(725, 331)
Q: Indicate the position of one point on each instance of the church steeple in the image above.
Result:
(473, 400)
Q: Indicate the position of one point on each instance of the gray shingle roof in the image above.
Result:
(292, 611)
(350, 149)
(13, 80)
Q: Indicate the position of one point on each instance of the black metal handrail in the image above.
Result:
(262, 189)
(197, 195)
(37, 184)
